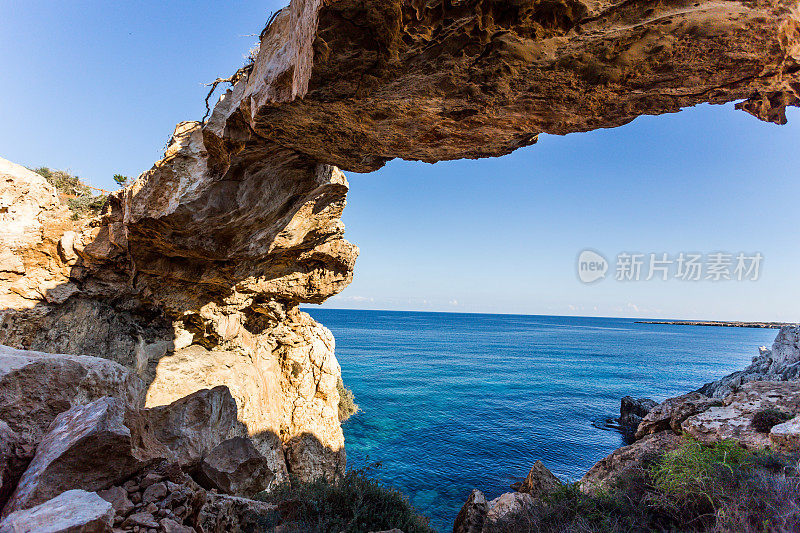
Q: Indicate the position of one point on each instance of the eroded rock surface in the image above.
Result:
(206, 257)
(35, 387)
(779, 363)
(539, 481)
(635, 455)
(70, 512)
(88, 447)
(733, 419)
(671, 413)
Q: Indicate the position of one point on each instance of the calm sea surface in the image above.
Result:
(453, 402)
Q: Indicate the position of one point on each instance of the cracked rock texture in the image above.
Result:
(193, 275)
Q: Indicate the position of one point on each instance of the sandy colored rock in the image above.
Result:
(236, 467)
(73, 511)
(633, 456)
(671, 413)
(32, 220)
(88, 447)
(732, 419)
(504, 508)
(539, 481)
(36, 387)
(239, 223)
(786, 436)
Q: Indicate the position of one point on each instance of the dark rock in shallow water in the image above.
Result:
(631, 413)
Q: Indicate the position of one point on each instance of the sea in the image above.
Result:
(451, 402)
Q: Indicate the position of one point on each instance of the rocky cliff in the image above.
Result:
(193, 274)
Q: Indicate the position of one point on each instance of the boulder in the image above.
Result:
(118, 498)
(15, 455)
(142, 519)
(622, 460)
(236, 467)
(786, 436)
(632, 410)
(222, 513)
(472, 515)
(73, 511)
(254, 386)
(35, 387)
(89, 447)
(671, 413)
(733, 419)
(171, 526)
(505, 510)
(193, 426)
(539, 481)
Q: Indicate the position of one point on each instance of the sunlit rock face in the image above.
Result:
(372, 80)
(194, 274)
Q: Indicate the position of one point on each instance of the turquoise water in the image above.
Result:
(453, 402)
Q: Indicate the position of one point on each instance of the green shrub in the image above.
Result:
(347, 401)
(80, 198)
(764, 420)
(352, 503)
(722, 487)
(686, 474)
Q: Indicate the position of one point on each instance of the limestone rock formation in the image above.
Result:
(671, 413)
(634, 455)
(357, 83)
(733, 419)
(472, 515)
(780, 363)
(193, 426)
(786, 436)
(206, 257)
(631, 412)
(88, 447)
(539, 481)
(15, 456)
(503, 508)
(70, 512)
(222, 513)
(36, 387)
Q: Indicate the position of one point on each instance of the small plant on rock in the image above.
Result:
(766, 419)
(347, 401)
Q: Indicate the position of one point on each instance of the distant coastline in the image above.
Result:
(719, 323)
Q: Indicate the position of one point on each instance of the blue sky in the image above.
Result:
(96, 87)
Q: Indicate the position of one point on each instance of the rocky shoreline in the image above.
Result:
(721, 411)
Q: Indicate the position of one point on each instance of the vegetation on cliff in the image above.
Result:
(347, 401)
(83, 200)
(694, 488)
(355, 502)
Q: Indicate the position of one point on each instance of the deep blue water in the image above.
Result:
(453, 402)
